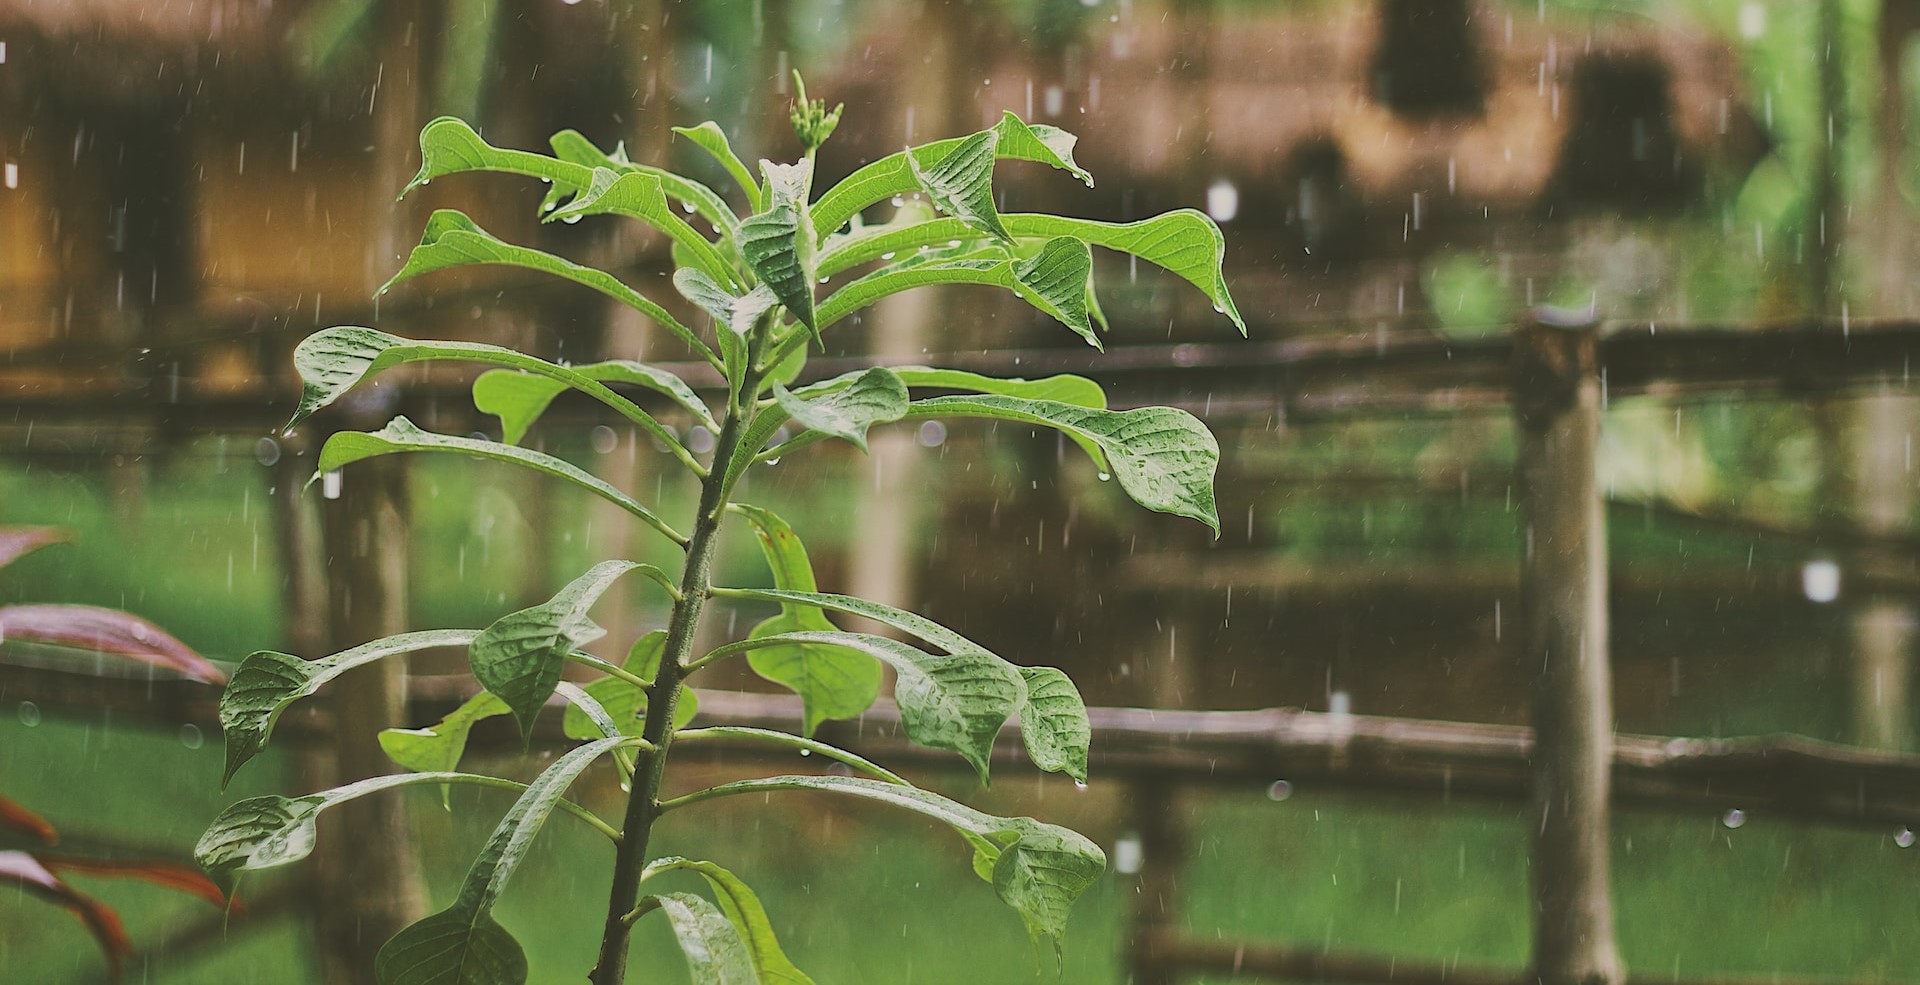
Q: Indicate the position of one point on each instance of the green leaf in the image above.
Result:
(737, 312)
(832, 681)
(893, 175)
(267, 682)
(1053, 280)
(1038, 869)
(1185, 242)
(743, 909)
(334, 360)
(777, 244)
(453, 240)
(569, 145)
(463, 944)
(638, 195)
(1053, 723)
(624, 703)
(1065, 388)
(710, 138)
(960, 183)
(438, 748)
(520, 656)
(518, 399)
(452, 948)
(957, 702)
(910, 623)
(401, 436)
(876, 396)
(716, 952)
(1163, 457)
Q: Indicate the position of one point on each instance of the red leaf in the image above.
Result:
(16, 542)
(20, 819)
(184, 878)
(101, 921)
(106, 631)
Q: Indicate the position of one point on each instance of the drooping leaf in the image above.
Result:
(638, 195)
(334, 360)
(401, 436)
(271, 831)
(86, 627)
(892, 175)
(957, 702)
(960, 183)
(910, 623)
(876, 396)
(520, 656)
(23, 871)
(438, 747)
(710, 138)
(832, 681)
(518, 399)
(1184, 242)
(1163, 457)
(1053, 280)
(743, 909)
(1065, 388)
(453, 240)
(463, 945)
(267, 682)
(17, 542)
(1053, 723)
(716, 952)
(452, 948)
(777, 243)
(1038, 869)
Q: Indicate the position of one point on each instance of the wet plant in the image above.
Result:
(758, 279)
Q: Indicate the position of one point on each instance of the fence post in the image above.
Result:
(1564, 643)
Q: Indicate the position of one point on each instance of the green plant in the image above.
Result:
(757, 279)
(26, 838)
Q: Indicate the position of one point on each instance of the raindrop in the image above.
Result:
(13, 175)
(1055, 100)
(1128, 854)
(570, 219)
(1279, 790)
(806, 752)
(1223, 201)
(1820, 581)
(686, 207)
(266, 451)
(1734, 818)
(887, 255)
(330, 485)
(191, 737)
(898, 201)
(1079, 784)
(839, 769)
(29, 714)
(3, 52)
(604, 439)
(699, 440)
(570, 3)
(1753, 20)
(1903, 838)
(1106, 477)
(933, 434)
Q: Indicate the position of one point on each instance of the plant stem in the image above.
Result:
(643, 805)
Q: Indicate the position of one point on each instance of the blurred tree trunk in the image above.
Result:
(369, 886)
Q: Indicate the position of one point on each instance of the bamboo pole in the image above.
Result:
(1564, 644)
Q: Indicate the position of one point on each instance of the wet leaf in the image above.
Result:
(109, 631)
(1053, 723)
(401, 436)
(1053, 280)
(438, 747)
(876, 396)
(777, 244)
(267, 682)
(25, 872)
(743, 909)
(520, 656)
(715, 951)
(1163, 457)
(960, 183)
(710, 138)
(625, 704)
(518, 399)
(638, 195)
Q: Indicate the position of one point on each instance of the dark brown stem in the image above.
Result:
(643, 805)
